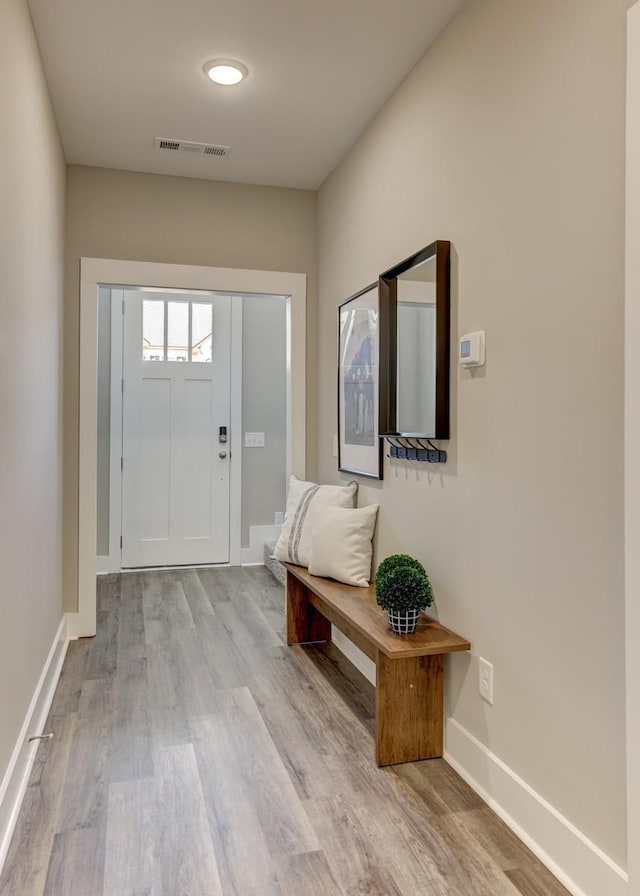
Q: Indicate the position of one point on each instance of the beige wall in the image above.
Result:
(145, 217)
(632, 442)
(32, 176)
(508, 139)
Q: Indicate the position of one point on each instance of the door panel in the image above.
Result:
(175, 501)
(154, 431)
(199, 446)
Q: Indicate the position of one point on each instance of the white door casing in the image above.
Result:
(175, 482)
(108, 271)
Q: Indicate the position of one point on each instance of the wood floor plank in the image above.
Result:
(495, 837)
(348, 849)
(345, 681)
(407, 836)
(248, 629)
(220, 586)
(133, 836)
(27, 863)
(84, 792)
(402, 850)
(76, 867)
(227, 667)
(158, 839)
(131, 746)
(205, 662)
(167, 713)
(96, 697)
(465, 862)
(307, 873)
(196, 595)
(248, 749)
(165, 607)
(291, 691)
(535, 880)
(186, 854)
(131, 630)
(108, 592)
(269, 594)
(397, 824)
(244, 862)
(435, 782)
(101, 661)
(67, 695)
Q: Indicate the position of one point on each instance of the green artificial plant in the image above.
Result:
(402, 584)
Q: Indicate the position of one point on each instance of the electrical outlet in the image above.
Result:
(254, 440)
(278, 518)
(485, 680)
(335, 445)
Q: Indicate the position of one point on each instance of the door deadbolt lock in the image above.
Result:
(222, 434)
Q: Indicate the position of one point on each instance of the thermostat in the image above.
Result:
(471, 351)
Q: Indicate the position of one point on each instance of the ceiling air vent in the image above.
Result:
(203, 149)
(212, 150)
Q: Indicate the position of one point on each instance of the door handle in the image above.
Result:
(222, 454)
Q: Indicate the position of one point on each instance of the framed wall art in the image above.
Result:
(360, 324)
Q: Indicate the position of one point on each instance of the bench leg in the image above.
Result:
(409, 708)
(304, 623)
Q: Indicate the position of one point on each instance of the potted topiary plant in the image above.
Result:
(403, 589)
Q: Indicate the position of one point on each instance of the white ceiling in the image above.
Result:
(122, 72)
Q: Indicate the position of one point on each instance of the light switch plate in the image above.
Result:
(254, 440)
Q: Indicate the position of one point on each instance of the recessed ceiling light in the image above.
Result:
(225, 71)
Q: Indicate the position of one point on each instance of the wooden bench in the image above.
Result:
(409, 668)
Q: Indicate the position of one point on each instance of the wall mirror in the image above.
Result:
(416, 293)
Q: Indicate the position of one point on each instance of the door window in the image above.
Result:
(177, 331)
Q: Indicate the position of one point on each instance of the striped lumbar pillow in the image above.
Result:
(304, 501)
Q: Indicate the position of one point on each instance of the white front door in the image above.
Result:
(176, 397)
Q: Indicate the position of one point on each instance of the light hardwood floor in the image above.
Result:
(194, 754)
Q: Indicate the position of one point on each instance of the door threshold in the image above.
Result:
(182, 566)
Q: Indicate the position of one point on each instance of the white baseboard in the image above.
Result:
(583, 868)
(103, 565)
(359, 659)
(14, 783)
(107, 564)
(258, 535)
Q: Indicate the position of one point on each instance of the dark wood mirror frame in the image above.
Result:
(441, 251)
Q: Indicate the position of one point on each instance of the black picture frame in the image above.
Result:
(362, 361)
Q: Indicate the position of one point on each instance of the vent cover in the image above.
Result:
(203, 149)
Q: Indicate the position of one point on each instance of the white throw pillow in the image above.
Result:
(304, 501)
(341, 544)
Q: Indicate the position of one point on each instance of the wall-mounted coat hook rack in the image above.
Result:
(413, 448)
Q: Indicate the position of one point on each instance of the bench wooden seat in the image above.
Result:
(409, 668)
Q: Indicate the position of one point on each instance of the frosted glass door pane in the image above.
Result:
(178, 331)
(152, 330)
(201, 331)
